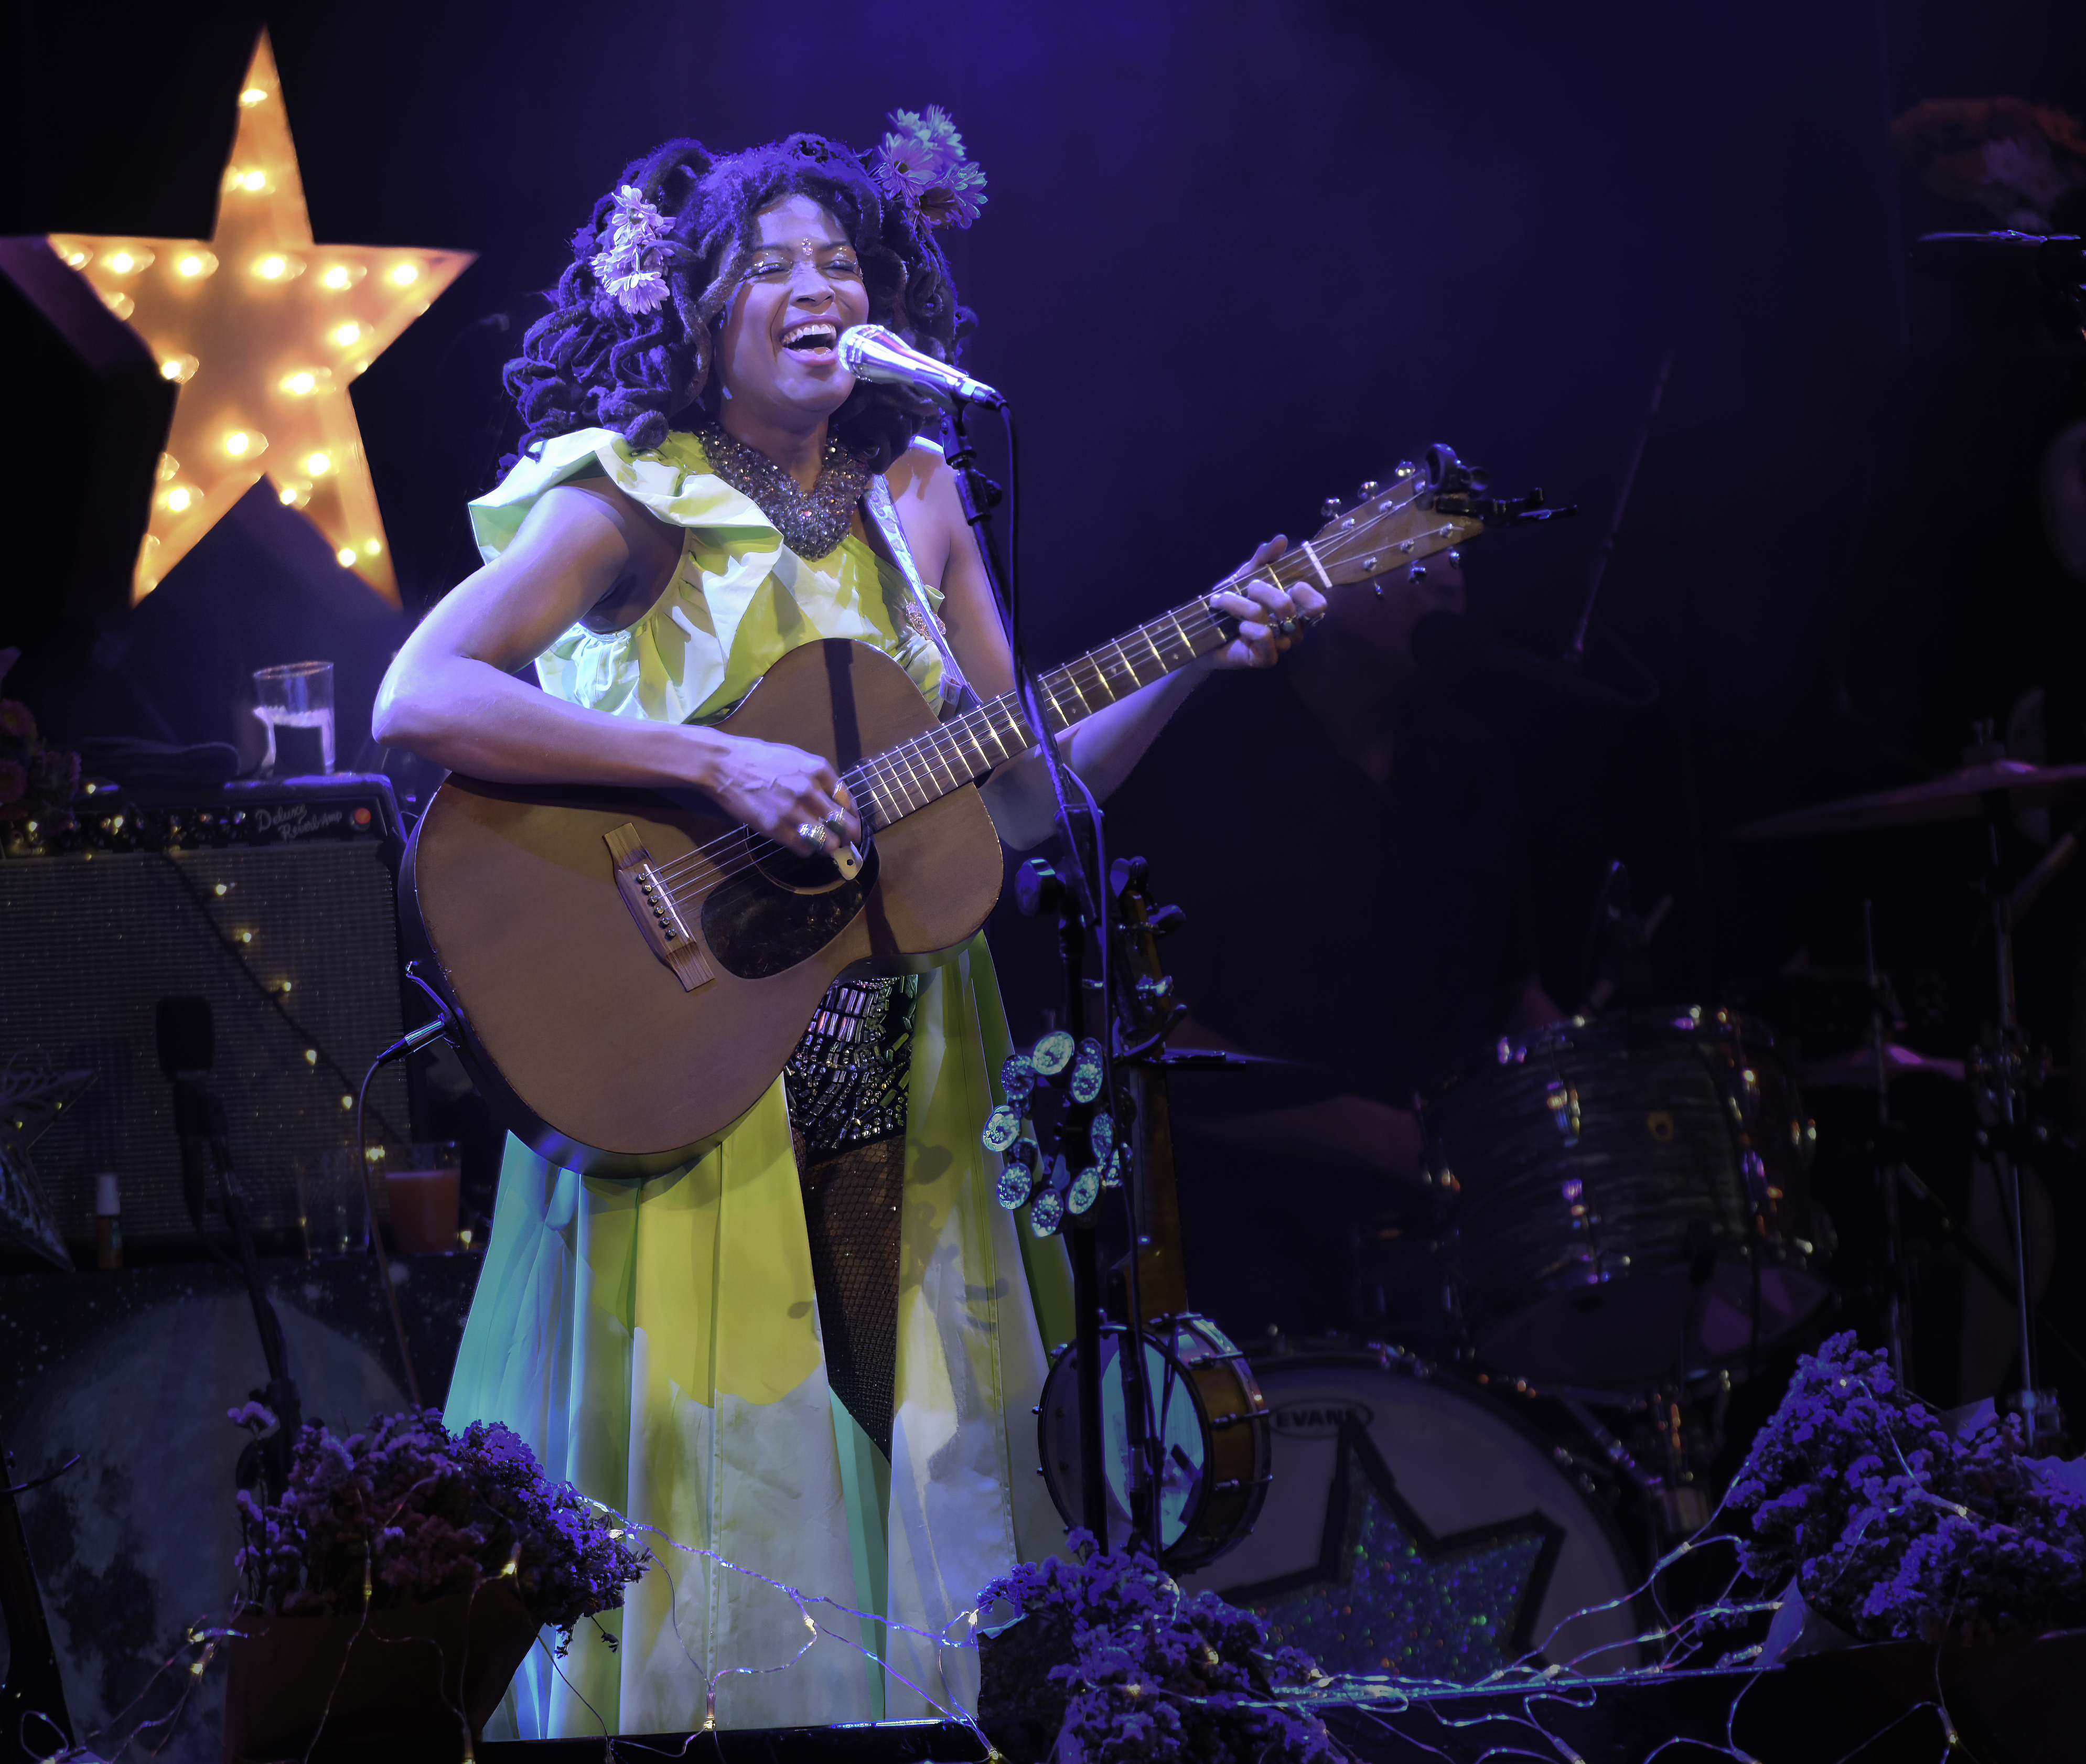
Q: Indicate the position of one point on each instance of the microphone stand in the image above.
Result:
(199, 1121)
(1080, 916)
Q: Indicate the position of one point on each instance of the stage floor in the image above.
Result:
(1858, 1706)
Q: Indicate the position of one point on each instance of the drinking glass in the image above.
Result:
(420, 1195)
(329, 1197)
(294, 704)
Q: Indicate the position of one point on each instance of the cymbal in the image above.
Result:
(1958, 795)
(1216, 1059)
(1856, 1069)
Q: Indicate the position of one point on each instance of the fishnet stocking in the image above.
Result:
(851, 1203)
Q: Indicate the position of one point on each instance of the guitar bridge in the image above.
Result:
(659, 920)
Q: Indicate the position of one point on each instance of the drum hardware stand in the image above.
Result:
(1886, 1168)
(1575, 651)
(1679, 1505)
(1682, 1507)
(1619, 941)
(2009, 1074)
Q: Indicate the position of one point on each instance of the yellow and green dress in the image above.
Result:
(658, 1343)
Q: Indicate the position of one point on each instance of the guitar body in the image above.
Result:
(603, 1055)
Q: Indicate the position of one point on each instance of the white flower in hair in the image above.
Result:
(920, 163)
(628, 265)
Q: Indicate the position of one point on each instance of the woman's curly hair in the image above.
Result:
(588, 362)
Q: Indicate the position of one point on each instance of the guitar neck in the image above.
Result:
(965, 748)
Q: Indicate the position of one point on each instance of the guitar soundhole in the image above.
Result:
(781, 911)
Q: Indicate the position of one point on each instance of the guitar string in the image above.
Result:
(861, 783)
(930, 749)
(882, 777)
(1292, 568)
(935, 754)
(927, 748)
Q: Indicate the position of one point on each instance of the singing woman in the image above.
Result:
(813, 1350)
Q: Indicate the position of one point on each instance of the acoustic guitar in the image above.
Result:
(630, 968)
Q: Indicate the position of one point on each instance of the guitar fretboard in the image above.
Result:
(963, 749)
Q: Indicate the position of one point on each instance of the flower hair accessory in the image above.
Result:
(921, 164)
(628, 265)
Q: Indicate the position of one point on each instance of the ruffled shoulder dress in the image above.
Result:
(668, 1345)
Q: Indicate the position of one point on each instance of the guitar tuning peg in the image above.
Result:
(1328, 508)
(1368, 489)
(1405, 469)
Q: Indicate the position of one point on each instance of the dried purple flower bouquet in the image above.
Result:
(1891, 1525)
(1114, 1663)
(407, 1512)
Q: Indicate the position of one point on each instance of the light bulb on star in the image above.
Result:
(262, 330)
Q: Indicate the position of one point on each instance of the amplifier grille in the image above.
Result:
(93, 940)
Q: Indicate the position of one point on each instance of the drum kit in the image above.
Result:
(1618, 1224)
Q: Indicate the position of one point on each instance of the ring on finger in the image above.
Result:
(813, 833)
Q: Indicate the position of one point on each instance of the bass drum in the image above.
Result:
(1419, 1527)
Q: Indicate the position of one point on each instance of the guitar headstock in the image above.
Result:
(1388, 524)
(1423, 508)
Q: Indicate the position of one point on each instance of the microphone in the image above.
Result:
(871, 352)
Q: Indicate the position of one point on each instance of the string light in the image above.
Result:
(245, 351)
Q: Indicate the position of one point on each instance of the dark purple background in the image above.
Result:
(1295, 243)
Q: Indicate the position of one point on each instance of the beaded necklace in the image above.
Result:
(811, 522)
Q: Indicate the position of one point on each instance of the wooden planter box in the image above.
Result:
(427, 1672)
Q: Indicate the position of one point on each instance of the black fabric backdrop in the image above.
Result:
(1236, 255)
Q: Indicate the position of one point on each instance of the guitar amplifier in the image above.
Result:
(277, 902)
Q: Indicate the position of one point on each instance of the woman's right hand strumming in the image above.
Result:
(781, 791)
(584, 553)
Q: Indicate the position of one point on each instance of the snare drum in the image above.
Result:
(1418, 1525)
(1212, 1436)
(1625, 1198)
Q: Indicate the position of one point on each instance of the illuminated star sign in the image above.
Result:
(263, 331)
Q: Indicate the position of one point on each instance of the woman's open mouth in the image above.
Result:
(812, 341)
